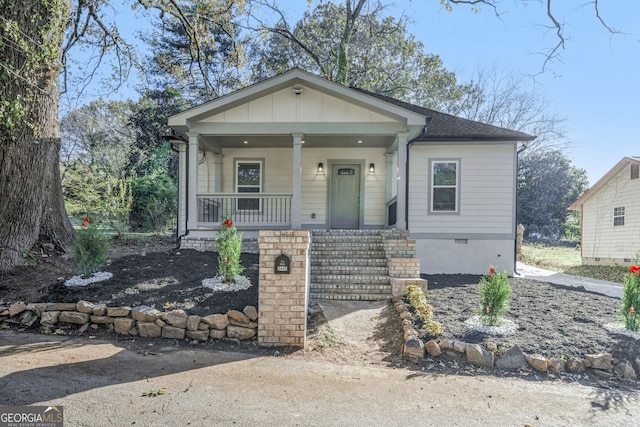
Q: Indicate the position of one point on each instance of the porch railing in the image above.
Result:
(245, 209)
(392, 207)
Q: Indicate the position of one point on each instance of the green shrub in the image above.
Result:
(418, 301)
(494, 297)
(91, 249)
(631, 299)
(154, 202)
(229, 243)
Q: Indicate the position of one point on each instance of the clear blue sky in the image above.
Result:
(596, 86)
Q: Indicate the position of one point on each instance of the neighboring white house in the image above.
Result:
(610, 213)
(300, 152)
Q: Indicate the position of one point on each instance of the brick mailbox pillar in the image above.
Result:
(283, 290)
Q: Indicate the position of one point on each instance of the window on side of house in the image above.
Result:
(618, 216)
(635, 171)
(445, 179)
(249, 178)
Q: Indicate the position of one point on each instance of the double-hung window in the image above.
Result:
(445, 186)
(249, 179)
(618, 216)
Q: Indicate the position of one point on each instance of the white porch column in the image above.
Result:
(389, 176)
(192, 182)
(401, 212)
(296, 200)
(217, 185)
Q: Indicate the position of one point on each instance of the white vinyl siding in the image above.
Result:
(486, 185)
(600, 237)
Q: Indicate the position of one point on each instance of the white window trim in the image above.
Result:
(432, 163)
(619, 214)
(237, 163)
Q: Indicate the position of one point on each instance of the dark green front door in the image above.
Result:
(345, 196)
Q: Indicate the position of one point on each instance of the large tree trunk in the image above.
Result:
(31, 204)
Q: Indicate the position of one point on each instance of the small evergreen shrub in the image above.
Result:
(229, 243)
(418, 301)
(631, 299)
(494, 297)
(91, 249)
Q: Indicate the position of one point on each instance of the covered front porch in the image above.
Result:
(293, 152)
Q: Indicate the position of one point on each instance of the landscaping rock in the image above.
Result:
(193, 322)
(149, 329)
(624, 370)
(603, 374)
(217, 333)
(100, 309)
(83, 328)
(600, 361)
(446, 345)
(538, 363)
(144, 313)
(49, 318)
(102, 319)
(513, 358)
(177, 318)
(409, 333)
(555, 365)
(85, 307)
(124, 325)
(479, 357)
(491, 346)
(237, 316)
(240, 333)
(433, 348)
(118, 311)
(251, 312)
(17, 308)
(28, 318)
(216, 321)
(405, 315)
(460, 347)
(37, 308)
(576, 366)
(161, 323)
(203, 326)
(198, 335)
(407, 324)
(413, 348)
(173, 332)
(61, 306)
(73, 317)
(638, 364)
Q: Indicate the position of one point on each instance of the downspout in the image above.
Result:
(177, 137)
(515, 241)
(406, 173)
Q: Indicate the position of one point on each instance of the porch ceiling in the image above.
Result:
(216, 142)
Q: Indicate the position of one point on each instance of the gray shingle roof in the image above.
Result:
(444, 126)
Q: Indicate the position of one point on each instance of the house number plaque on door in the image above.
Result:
(283, 264)
(346, 171)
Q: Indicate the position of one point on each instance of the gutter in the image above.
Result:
(406, 172)
(515, 241)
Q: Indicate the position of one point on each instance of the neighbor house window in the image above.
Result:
(445, 185)
(249, 180)
(635, 171)
(618, 216)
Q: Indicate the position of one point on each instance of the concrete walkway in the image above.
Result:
(603, 287)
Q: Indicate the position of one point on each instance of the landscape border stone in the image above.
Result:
(144, 321)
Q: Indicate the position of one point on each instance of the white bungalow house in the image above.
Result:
(300, 152)
(610, 213)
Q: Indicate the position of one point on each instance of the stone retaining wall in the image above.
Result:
(513, 358)
(143, 321)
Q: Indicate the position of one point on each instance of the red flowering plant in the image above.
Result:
(631, 299)
(229, 243)
(494, 297)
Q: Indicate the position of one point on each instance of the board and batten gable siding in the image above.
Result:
(487, 188)
(600, 238)
(283, 106)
